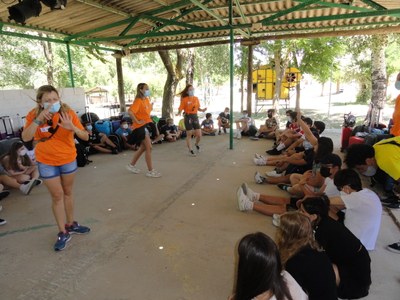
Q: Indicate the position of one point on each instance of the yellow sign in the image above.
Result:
(264, 80)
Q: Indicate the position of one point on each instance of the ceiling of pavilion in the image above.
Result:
(138, 24)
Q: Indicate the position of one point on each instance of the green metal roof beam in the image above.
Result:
(323, 4)
(288, 11)
(170, 22)
(129, 27)
(216, 16)
(183, 13)
(323, 29)
(128, 20)
(373, 4)
(391, 12)
(169, 33)
(242, 15)
(17, 26)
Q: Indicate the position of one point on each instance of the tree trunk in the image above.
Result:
(296, 64)
(322, 89)
(378, 77)
(173, 78)
(190, 67)
(48, 54)
(242, 76)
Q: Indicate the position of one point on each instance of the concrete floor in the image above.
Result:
(172, 237)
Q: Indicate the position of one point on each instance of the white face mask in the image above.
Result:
(370, 171)
(22, 152)
(397, 85)
(125, 126)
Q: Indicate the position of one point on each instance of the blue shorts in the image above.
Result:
(47, 171)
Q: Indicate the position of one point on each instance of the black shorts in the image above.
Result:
(191, 122)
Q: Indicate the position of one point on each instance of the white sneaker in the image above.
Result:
(256, 155)
(276, 222)
(191, 153)
(132, 169)
(273, 174)
(249, 193)
(258, 178)
(38, 181)
(260, 161)
(26, 188)
(153, 173)
(244, 203)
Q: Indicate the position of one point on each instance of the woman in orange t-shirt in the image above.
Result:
(190, 104)
(52, 125)
(140, 114)
(395, 130)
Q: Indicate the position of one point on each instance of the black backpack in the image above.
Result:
(82, 155)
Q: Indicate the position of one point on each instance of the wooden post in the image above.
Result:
(120, 76)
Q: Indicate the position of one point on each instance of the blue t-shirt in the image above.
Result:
(123, 132)
(207, 123)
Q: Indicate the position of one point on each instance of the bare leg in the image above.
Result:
(269, 210)
(67, 182)
(189, 134)
(197, 133)
(137, 154)
(57, 195)
(147, 148)
(273, 200)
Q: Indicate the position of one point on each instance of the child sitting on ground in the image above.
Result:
(17, 164)
(170, 131)
(207, 126)
(123, 131)
(98, 142)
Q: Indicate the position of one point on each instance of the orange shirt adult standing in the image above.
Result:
(141, 109)
(190, 105)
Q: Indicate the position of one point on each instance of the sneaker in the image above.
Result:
(276, 222)
(390, 199)
(273, 173)
(254, 138)
(114, 151)
(4, 194)
(249, 193)
(394, 247)
(258, 178)
(274, 152)
(191, 152)
(198, 148)
(62, 240)
(219, 132)
(2, 222)
(38, 182)
(260, 161)
(283, 186)
(393, 205)
(276, 216)
(26, 188)
(244, 203)
(132, 169)
(153, 173)
(256, 155)
(76, 228)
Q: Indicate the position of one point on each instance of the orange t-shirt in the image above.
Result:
(141, 108)
(190, 105)
(60, 148)
(395, 130)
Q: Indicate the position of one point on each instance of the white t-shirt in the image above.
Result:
(363, 216)
(294, 288)
(330, 188)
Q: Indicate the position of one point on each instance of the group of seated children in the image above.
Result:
(18, 171)
(345, 216)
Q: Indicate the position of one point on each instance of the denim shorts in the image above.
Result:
(47, 171)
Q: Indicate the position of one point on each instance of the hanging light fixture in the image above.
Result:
(24, 10)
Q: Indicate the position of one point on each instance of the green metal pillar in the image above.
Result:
(71, 73)
(231, 49)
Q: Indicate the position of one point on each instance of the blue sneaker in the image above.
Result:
(76, 228)
(62, 240)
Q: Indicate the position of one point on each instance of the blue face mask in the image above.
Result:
(54, 108)
(147, 93)
(89, 127)
(191, 92)
(397, 85)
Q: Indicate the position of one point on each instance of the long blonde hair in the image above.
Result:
(48, 89)
(294, 233)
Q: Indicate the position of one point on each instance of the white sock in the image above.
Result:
(280, 147)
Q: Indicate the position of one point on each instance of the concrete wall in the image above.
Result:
(17, 103)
